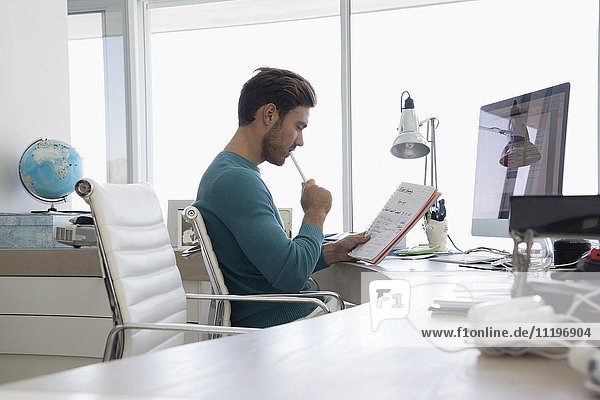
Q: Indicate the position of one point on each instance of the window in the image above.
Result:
(86, 77)
(454, 58)
(201, 56)
(97, 91)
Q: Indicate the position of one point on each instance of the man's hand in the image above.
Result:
(316, 203)
(338, 250)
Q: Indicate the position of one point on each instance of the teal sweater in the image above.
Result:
(254, 253)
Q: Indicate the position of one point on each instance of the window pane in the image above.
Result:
(86, 79)
(99, 110)
(453, 59)
(196, 80)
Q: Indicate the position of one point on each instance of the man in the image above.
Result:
(254, 252)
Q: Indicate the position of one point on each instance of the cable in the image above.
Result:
(480, 248)
(437, 346)
(503, 262)
(579, 299)
(552, 356)
(555, 266)
(554, 349)
(487, 249)
(453, 244)
(428, 339)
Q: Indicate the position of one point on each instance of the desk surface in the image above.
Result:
(351, 280)
(329, 356)
(336, 356)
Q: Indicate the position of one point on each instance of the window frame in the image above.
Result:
(125, 122)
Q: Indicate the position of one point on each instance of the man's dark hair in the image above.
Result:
(286, 89)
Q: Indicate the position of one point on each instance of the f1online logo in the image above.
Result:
(389, 299)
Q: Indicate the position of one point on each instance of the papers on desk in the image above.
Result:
(419, 252)
(420, 249)
(452, 306)
(471, 291)
(468, 258)
(412, 256)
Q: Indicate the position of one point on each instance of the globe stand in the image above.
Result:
(51, 209)
(52, 203)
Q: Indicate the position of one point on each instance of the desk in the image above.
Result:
(351, 280)
(336, 356)
(83, 262)
(54, 311)
(323, 358)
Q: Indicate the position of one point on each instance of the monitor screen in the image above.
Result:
(520, 151)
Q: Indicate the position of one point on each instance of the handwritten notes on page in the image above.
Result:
(401, 212)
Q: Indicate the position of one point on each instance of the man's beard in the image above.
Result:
(272, 150)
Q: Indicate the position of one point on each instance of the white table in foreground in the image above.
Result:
(336, 356)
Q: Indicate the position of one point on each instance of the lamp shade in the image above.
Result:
(409, 143)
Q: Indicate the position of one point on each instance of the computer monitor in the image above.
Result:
(520, 151)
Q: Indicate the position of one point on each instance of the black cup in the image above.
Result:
(567, 251)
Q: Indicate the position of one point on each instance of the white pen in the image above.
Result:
(298, 167)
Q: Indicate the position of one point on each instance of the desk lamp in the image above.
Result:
(410, 144)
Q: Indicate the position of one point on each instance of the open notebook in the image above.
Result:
(404, 208)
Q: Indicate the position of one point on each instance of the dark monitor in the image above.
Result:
(520, 151)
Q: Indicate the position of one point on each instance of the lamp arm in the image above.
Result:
(434, 180)
(432, 124)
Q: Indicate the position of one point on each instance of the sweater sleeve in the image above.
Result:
(321, 264)
(244, 205)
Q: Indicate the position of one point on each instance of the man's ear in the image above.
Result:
(270, 114)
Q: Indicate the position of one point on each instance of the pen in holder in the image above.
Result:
(436, 226)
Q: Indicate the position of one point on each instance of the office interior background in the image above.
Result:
(147, 90)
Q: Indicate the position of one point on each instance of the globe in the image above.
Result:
(49, 169)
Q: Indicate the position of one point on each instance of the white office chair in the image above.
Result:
(140, 272)
(220, 311)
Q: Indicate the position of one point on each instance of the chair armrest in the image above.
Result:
(265, 298)
(192, 251)
(112, 335)
(316, 293)
(325, 293)
(313, 283)
(312, 294)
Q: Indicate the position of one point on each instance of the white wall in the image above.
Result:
(34, 88)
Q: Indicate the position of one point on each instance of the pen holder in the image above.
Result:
(437, 233)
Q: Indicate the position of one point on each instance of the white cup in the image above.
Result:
(437, 233)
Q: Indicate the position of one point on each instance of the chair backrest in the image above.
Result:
(222, 308)
(141, 274)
